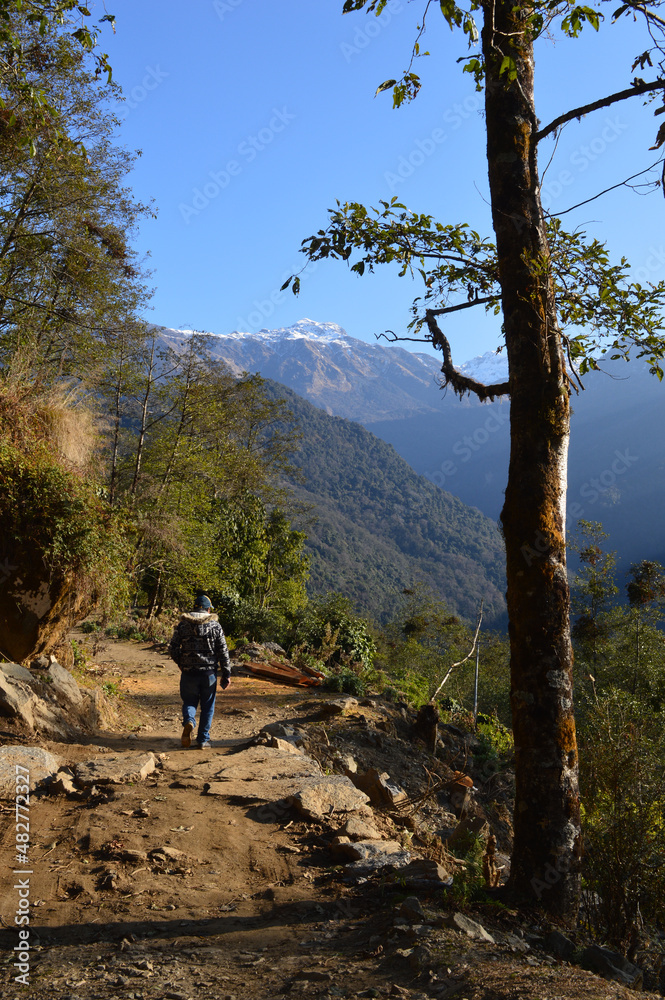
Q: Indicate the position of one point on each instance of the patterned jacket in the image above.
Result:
(198, 643)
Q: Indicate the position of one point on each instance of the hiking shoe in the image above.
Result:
(203, 746)
(186, 738)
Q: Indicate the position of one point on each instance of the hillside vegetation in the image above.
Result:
(381, 528)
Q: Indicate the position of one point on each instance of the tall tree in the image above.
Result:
(547, 284)
(70, 280)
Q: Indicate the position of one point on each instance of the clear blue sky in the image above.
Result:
(254, 116)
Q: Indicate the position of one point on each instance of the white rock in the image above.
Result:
(40, 764)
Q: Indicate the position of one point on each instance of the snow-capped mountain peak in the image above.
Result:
(488, 368)
(304, 329)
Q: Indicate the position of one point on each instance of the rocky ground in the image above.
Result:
(303, 853)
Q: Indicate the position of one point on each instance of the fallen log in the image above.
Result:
(282, 674)
(304, 669)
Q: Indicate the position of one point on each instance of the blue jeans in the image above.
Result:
(198, 686)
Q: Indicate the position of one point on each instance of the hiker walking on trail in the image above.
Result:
(199, 648)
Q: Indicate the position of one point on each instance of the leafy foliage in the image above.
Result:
(605, 312)
(41, 18)
(416, 648)
(623, 788)
(617, 646)
(69, 277)
(334, 614)
(52, 511)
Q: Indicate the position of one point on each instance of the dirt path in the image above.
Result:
(160, 890)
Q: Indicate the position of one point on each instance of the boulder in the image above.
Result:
(611, 965)
(425, 873)
(40, 764)
(559, 945)
(471, 928)
(115, 769)
(65, 688)
(16, 672)
(38, 604)
(416, 959)
(379, 861)
(283, 732)
(63, 784)
(380, 789)
(51, 722)
(274, 647)
(331, 795)
(96, 709)
(347, 763)
(365, 850)
(358, 829)
(412, 910)
(17, 700)
(339, 706)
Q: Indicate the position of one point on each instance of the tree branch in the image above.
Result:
(463, 305)
(460, 383)
(605, 102)
(393, 339)
(648, 14)
(613, 187)
(468, 655)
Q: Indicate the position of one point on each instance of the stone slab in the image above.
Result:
(284, 732)
(18, 672)
(358, 829)
(425, 871)
(115, 769)
(365, 850)
(472, 929)
(336, 794)
(263, 774)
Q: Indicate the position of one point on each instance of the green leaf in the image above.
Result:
(508, 67)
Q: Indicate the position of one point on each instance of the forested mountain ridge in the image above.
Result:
(381, 528)
(463, 445)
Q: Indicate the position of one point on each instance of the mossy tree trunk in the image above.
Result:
(547, 830)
